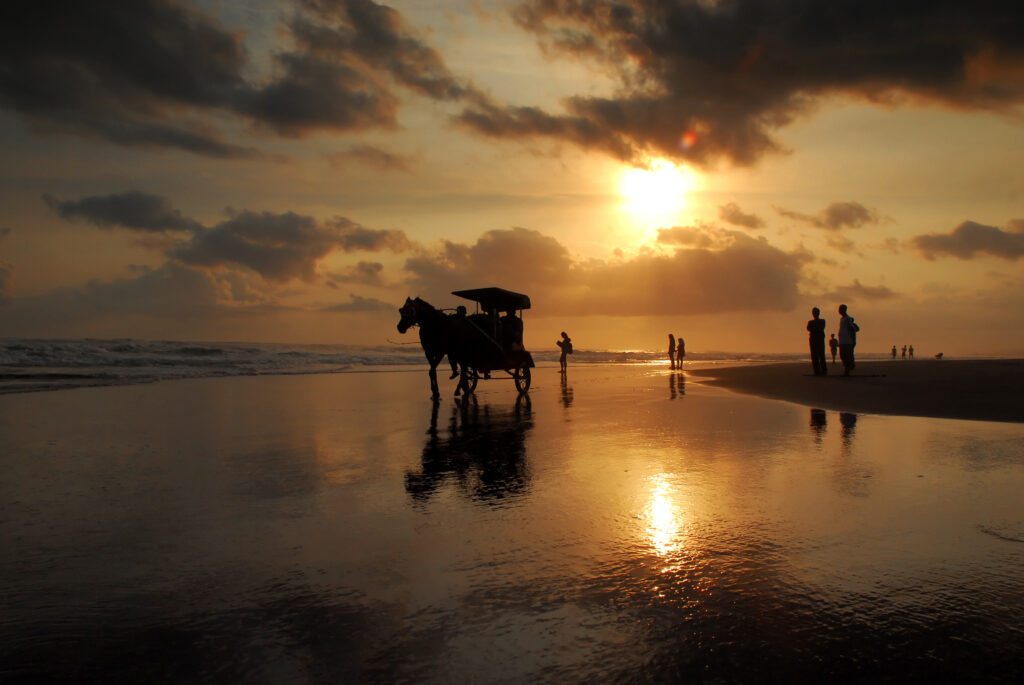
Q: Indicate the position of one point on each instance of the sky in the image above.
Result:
(291, 171)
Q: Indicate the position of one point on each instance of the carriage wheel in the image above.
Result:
(522, 378)
(472, 378)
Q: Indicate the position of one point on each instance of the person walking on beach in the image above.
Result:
(911, 351)
(680, 353)
(847, 340)
(566, 346)
(903, 354)
(816, 336)
(833, 346)
(894, 352)
(671, 351)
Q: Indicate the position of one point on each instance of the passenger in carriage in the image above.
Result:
(511, 331)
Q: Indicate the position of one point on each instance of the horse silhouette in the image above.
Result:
(437, 334)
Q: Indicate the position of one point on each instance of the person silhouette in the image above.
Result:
(816, 339)
(566, 346)
(680, 353)
(893, 351)
(833, 345)
(847, 340)
(910, 351)
(671, 351)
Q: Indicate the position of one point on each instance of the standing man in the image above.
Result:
(816, 335)
(671, 351)
(847, 340)
(565, 344)
(833, 346)
(894, 352)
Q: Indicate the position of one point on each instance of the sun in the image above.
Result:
(655, 196)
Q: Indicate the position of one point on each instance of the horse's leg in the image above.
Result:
(434, 361)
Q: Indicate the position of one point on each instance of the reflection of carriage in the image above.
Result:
(490, 342)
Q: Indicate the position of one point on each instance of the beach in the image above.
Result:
(984, 390)
(622, 523)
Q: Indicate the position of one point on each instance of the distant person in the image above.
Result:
(671, 351)
(847, 340)
(816, 338)
(903, 352)
(680, 353)
(938, 356)
(893, 351)
(566, 346)
(833, 345)
(911, 351)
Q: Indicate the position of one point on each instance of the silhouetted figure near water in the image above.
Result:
(565, 344)
(911, 351)
(671, 351)
(903, 353)
(893, 351)
(680, 353)
(816, 337)
(847, 340)
(833, 346)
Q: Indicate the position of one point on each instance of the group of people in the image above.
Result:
(676, 352)
(904, 353)
(846, 343)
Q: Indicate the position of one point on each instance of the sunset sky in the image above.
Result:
(290, 171)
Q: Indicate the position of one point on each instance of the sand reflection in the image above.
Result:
(482, 451)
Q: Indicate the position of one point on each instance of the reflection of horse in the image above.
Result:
(436, 334)
(482, 450)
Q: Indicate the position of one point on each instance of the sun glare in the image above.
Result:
(657, 195)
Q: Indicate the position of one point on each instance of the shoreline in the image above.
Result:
(976, 390)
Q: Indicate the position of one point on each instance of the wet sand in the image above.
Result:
(985, 390)
(621, 524)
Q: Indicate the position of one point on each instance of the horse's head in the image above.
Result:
(409, 315)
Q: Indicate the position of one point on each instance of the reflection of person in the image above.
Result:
(671, 351)
(847, 340)
(833, 346)
(819, 422)
(816, 337)
(680, 353)
(566, 346)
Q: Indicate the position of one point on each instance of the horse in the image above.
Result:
(437, 335)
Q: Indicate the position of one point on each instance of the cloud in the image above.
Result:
(160, 72)
(132, 209)
(704, 81)
(836, 216)
(970, 239)
(360, 304)
(371, 156)
(685, 236)
(738, 274)
(857, 291)
(363, 273)
(282, 247)
(731, 213)
(279, 247)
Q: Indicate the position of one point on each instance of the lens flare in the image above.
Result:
(688, 139)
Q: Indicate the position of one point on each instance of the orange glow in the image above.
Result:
(655, 197)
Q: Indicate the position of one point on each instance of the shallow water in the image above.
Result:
(627, 525)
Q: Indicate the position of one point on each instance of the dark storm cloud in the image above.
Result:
(836, 216)
(733, 72)
(731, 213)
(738, 274)
(970, 239)
(156, 72)
(360, 304)
(133, 209)
(856, 291)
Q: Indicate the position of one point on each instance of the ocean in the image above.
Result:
(33, 365)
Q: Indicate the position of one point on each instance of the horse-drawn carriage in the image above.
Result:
(477, 344)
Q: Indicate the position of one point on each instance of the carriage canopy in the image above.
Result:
(495, 299)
